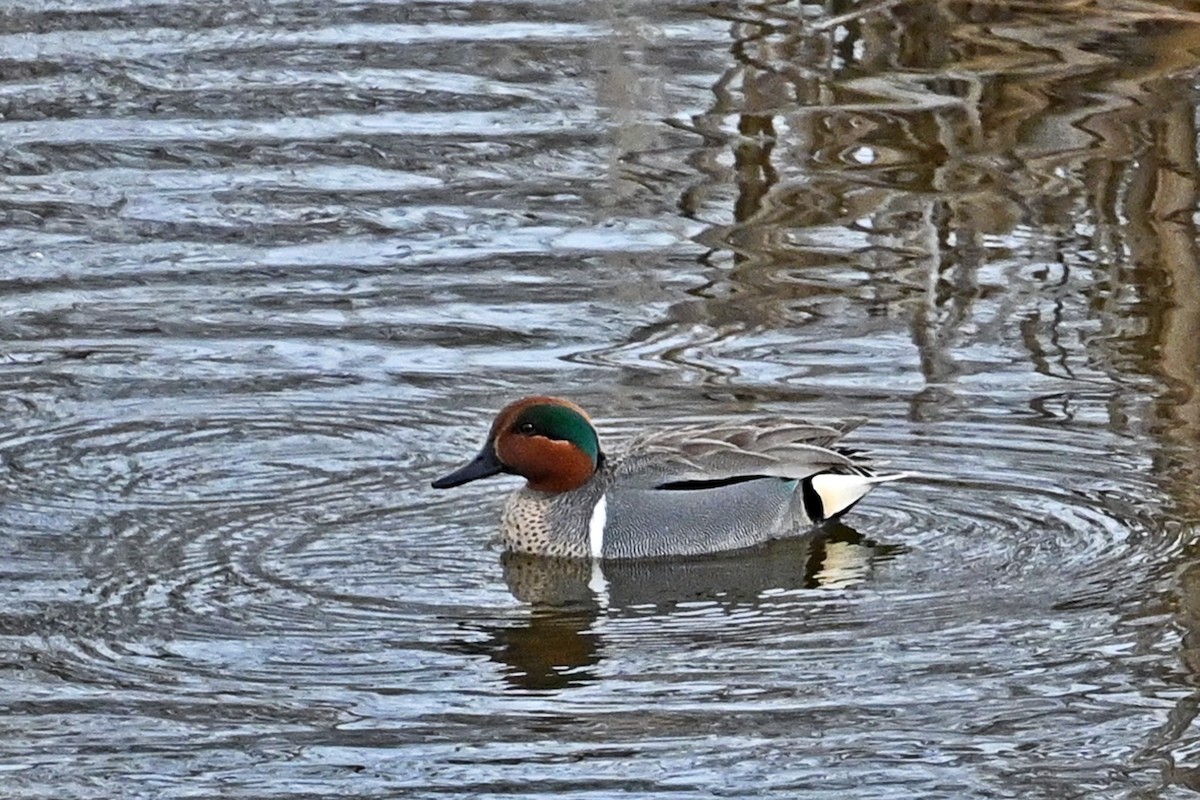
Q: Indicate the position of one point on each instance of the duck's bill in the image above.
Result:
(485, 464)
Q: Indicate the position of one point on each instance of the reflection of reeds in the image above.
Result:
(1000, 172)
(1160, 206)
(909, 140)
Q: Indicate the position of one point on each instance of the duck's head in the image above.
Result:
(546, 440)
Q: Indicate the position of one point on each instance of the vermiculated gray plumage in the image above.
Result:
(691, 490)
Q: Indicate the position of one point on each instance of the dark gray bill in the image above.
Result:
(482, 466)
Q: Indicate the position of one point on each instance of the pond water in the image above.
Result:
(267, 268)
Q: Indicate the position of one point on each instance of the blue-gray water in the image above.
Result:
(267, 268)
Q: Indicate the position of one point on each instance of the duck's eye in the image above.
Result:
(526, 428)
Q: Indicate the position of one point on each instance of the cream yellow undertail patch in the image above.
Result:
(839, 492)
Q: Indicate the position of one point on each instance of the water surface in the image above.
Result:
(266, 269)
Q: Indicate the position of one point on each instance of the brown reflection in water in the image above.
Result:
(1159, 204)
(904, 139)
(910, 141)
(897, 138)
(554, 650)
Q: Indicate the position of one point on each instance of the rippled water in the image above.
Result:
(268, 268)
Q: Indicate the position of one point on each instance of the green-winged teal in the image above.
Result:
(686, 491)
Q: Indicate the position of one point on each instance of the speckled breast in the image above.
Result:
(526, 526)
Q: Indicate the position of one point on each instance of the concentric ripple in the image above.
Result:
(266, 269)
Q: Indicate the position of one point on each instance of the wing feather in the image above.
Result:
(753, 448)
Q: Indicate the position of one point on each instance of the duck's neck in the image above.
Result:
(561, 467)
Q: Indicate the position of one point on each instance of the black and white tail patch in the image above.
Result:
(829, 494)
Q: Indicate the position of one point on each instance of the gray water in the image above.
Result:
(266, 269)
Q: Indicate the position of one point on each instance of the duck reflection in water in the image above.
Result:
(558, 645)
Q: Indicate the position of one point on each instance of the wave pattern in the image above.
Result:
(267, 268)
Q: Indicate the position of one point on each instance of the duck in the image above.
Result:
(684, 491)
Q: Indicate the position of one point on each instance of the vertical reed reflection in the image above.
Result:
(915, 139)
(923, 143)
(1160, 204)
(910, 139)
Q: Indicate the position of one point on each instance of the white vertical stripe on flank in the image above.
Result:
(596, 527)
